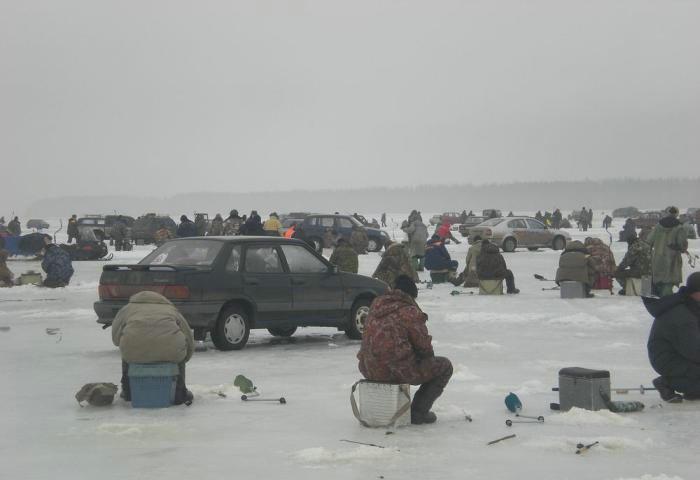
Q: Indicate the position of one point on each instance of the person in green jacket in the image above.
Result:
(344, 256)
(668, 241)
(636, 264)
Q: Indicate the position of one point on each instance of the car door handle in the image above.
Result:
(252, 282)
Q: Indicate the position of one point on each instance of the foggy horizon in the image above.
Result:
(156, 99)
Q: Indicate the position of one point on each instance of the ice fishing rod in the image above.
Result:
(623, 391)
(543, 279)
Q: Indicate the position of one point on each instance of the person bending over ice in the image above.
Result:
(674, 342)
(397, 348)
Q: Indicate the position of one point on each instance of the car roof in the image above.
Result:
(242, 239)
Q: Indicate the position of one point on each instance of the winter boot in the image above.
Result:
(458, 280)
(422, 402)
(665, 391)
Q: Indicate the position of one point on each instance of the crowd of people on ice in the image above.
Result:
(396, 346)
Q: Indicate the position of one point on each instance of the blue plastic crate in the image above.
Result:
(152, 384)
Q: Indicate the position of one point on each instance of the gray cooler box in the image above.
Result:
(581, 387)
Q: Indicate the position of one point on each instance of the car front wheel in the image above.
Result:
(358, 316)
(232, 329)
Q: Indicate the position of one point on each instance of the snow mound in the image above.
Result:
(580, 416)
(321, 456)
(529, 387)
(493, 317)
(617, 345)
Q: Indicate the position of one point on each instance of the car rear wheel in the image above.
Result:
(232, 329)
(358, 315)
(559, 243)
(509, 245)
(282, 331)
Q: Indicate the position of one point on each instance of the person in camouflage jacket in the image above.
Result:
(397, 348)
(394, 262)
(162, 235)
(344, 256)
(359, 239)
(57, 265)
(601, 256)
(635, 264)
(217, 226)
(232, 224)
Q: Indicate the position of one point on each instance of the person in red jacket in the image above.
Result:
(444, 231)
(397, 348)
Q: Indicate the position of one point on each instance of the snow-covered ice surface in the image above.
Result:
(497, 345)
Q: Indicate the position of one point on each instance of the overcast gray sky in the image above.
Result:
(160, 97)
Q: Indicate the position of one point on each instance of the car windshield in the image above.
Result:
(492, 222)
(184, 253)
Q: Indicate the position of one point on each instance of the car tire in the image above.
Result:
(559, 243)
(358, 315)
(232, 329)
(282, 331)
(509, 245)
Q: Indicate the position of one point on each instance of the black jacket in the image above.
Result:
(674, 340)
(187, 229)
(490, 264)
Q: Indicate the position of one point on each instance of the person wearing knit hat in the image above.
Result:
(674, 342)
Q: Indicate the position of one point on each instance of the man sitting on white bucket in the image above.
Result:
(149, 329)
(397, 348)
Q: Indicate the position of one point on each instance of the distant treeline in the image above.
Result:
(644, 194)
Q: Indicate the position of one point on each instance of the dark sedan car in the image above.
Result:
(229, 285)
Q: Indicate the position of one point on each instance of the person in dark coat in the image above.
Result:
(397, 348)
(490, 265)
(629, 230)
(636, 264)
(187, 228)
(674, 342)
(15, 227)
(57, 265)
(72, 229)
(437, 257)
(556, 219)
(119, 234)
(253, 225)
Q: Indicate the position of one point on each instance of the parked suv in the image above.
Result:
(147, 225)
(315, 226)
(94, 223)
(230, 285)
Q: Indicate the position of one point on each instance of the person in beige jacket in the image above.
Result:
(149, 329)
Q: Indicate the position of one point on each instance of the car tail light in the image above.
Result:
(176, 292)
(172, 292)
